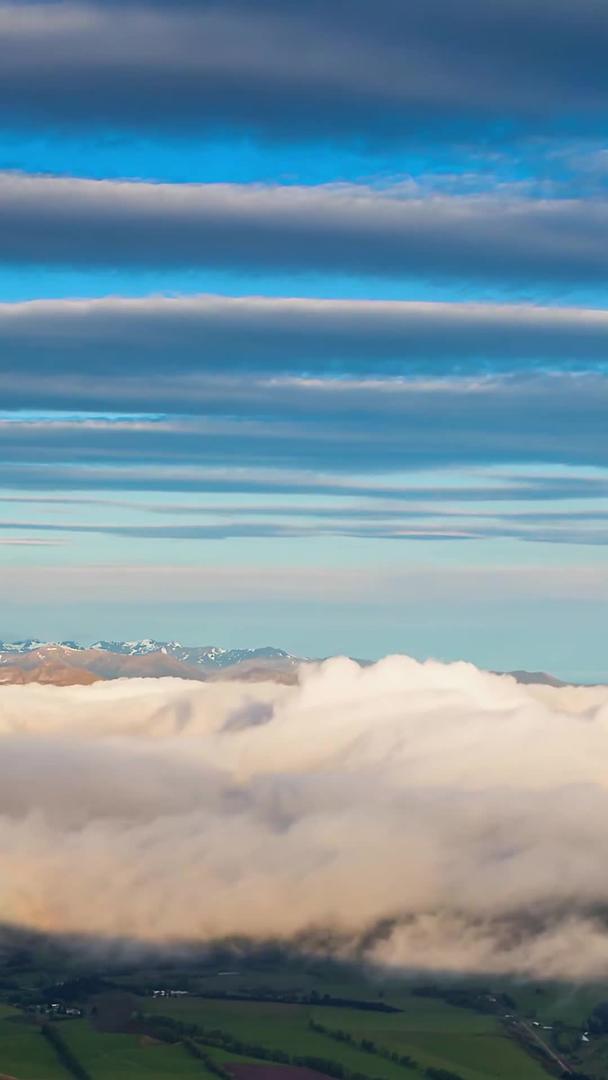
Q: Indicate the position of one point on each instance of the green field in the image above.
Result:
(121, 1034)
(119, 1057)
(23, 1052)
(554, 1001)
(25, 1055)
(431, 1032)
(280, 1027)
(438, 1034)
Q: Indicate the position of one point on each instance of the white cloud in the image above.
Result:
(465, 809)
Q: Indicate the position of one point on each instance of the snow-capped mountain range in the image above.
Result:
(67, 661)
(206, 655)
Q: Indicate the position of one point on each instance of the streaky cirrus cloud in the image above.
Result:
(136, 399)
(291, 71)
(345, 228)
(422, 525)
(222, 334)
(346, 424)
(424, 584)
(172, 814)
(355, 509)
(109, 476)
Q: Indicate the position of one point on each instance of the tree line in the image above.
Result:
(168, 1029)
(367, 1045)
(64, 1053)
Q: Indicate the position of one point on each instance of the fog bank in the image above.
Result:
(426, 815)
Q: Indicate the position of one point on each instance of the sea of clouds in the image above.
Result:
(425, 815)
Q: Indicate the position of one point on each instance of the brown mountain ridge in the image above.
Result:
(69, 664)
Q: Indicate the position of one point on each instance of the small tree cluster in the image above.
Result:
(200, 1054)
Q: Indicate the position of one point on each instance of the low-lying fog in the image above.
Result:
(428, 815)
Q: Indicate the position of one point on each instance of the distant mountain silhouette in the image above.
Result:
(66, 663)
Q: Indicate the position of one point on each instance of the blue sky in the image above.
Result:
(303, 328)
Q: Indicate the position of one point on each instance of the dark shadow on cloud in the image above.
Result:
(84, 954)
(308, 70)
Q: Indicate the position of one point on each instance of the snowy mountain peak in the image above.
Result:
(22, 646)
(202, 656)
